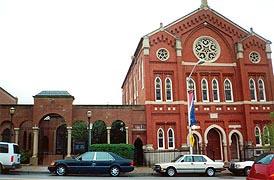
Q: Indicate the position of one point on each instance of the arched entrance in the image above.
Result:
(234, 147)
(52, 138)
(6, 135)
(214, 145)
(138, 152)
(118, 132)
(196, 147)
(61, 140)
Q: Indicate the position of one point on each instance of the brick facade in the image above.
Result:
(233, 90)
(226, 120)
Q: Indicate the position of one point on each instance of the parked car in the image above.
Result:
(189, 164)
(92, 162)
(263, 167)
(9, 156)
(238, 168)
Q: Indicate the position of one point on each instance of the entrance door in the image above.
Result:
(214, 145)
(234, 148)
(61, 140)
(138, 151)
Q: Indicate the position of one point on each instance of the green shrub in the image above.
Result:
(25, 156)
(123, 150)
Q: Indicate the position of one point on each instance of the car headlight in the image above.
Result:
(52, 163)
(238, 165)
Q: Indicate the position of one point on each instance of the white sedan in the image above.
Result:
(194, 163)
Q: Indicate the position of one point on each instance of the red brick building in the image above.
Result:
(233, 97)
(45, 128)
(233, 89)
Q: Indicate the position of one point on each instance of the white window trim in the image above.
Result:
(161, 90)
(231, 89)
(268, 135)
(171, 90)
(161, 129)
(262, 89)
(173, 138)
(194, 88)
(260, 136)
(218, 92)
(204, 79)
(255, 93)
(143, 74)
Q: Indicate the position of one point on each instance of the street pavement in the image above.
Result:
(44, 169)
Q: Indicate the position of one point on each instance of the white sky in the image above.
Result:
(85, 46)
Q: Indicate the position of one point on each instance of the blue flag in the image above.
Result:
(191, 108)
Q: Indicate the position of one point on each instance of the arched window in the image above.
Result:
(168, 89)
(252, 89)
(261, 90)
(158, 89)
(228, 91)
(258, 136)
(170, 135)
(160, 135)
(205, 90)
(215, 91)
(191, 86)
(266, 136)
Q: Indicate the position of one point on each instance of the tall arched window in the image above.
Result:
(261, 90)
(215, 91)
(191, 86)
(266, 136)
(252, 89)
(170, 135)
(228, 91)
(158, 89)
(161, 137)
(258, 136)
(168, 89)
(205, 90)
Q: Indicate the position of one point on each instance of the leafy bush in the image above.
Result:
(25, 156)
(123, 150)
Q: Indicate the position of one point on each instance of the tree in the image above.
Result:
(268, 136)
(99, 132)
(79, 131)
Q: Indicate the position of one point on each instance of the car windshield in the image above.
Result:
(176, 159)
(265, 159)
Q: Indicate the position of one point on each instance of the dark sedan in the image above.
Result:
(92, 162)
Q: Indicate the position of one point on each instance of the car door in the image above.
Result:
(199, 164)
(82, 164)
(186, 165)
(102, 162)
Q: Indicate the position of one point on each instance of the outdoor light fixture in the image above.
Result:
(12, 111)
(89, 116)
(191, 138)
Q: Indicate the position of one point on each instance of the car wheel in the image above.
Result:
(246, 171)
(171, 171)
(114, 171)
(61, 170)
(210, 172)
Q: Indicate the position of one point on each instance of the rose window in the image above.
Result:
(206, 48)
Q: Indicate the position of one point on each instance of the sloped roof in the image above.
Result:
(54, 94)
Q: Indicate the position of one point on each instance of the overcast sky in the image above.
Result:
(85, 46)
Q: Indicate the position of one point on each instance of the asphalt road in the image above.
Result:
(44, 176)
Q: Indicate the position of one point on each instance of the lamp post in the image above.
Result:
(12, 110)
(89, 115)
(201, 61)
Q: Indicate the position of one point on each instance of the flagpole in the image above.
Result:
(188, 104)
